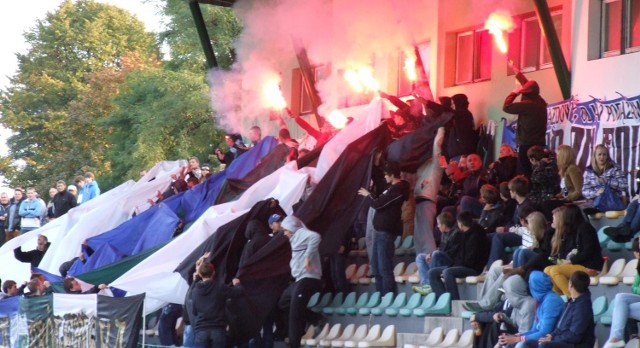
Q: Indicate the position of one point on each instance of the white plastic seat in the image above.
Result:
(450, 339)
(358, 335)
(398, 269)
(411, 270)
(372, 335)
(350, 271)
(361, 272)
(387, 339)
(628, 279)
(335, 334)
(435, 337)
(613, 276)
(311, 341)
(465, 340)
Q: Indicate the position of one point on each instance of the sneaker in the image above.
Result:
(423, 290)
(472, 306)
(617, 344)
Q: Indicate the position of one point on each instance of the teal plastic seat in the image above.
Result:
(466, 314)
(442, 306)
(510, 250)
(396, 242)
(399, 302)
(384, 303)
(324, 301)
(613, 246)
(599, 307)
(336, 302)
(427, 302)
(606, 318)
(313, 300)
(405, 247)
(365, 301)
(414, 302)
(602, 237)
(349, 301)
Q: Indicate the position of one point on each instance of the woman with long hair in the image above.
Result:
(603, 171)
(570, 174)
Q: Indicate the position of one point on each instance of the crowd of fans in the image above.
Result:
(534, 200)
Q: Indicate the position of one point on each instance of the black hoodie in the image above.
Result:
(209, 299)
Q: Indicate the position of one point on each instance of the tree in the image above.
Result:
(159, 115)
(223, 27)
(55, 136)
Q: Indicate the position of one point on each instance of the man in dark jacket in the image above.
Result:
(4, 216)
(468, 260)
(208, 315)
(575, 329)
(63, 201)
(387, 224)
(532, 121)
(33, 256)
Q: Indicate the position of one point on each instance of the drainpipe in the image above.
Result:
(553, 45)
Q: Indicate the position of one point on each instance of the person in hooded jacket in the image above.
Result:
(532, 121)
(575, 327)
(306, 269)
(547, 314)
(208, 312)
(461, 136)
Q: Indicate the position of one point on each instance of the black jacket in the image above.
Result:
(492, 218)
(63, 202)
(472, 248)
(472, 183)
(388, 207)
(32, 256)
(461, 137)
(449, 244)
(209, 299)
(532, 118)
(576, 325)
(589, 253)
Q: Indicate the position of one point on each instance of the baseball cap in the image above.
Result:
(275, 218)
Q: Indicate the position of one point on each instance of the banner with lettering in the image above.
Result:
(69, 320)
(583, 125)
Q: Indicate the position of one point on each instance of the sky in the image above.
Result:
(16, 17)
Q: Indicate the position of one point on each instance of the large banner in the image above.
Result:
(583, 125)
(68, 320)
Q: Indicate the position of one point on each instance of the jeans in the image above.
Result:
(188, 337)
(521, 256)
(24, 230)
(424, 236)
(489, 295)
(167, 324)
(382, 262)
(632, 218)
(438, 259)
(498, 242)
(626, 306)
(337, 264)
(450, 274)
(471, 204)
(560, 276)
(211, 338)
(294, 302)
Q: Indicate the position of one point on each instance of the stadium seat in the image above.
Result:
(442, 306)
(373, 301)
(615, 246)
(605, 319)
(361, 302)
(427, 302)
(626, 278)
(333, 331)
(450, 339)
(349, 301)
(398, 270)
(311, 341)
(324, 301)
(336, 302)
(358, 335)
(399, 302)
(309, 334)
(412, 269)
(350, 271)
(435, 338)
(414, 302)
(313, 300)
(334, 334)
(362, 248)
(361, 273)
(384, 303)
(372, 335)
(613, 275)
(614, 214)
(405, 247)
(465, 340)
(386, 339)
(599, 306)
(396, 242)
(603, 238)
(466, 314)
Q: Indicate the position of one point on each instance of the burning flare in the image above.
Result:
(498, 23)
(337, 119)
(410, 68)
(273, 95)
(362, 80)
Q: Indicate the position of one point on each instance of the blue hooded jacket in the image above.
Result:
(549, 304)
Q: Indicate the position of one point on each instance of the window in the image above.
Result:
(620, 27)
(300, 99)
(473, 56)
(534, 54)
